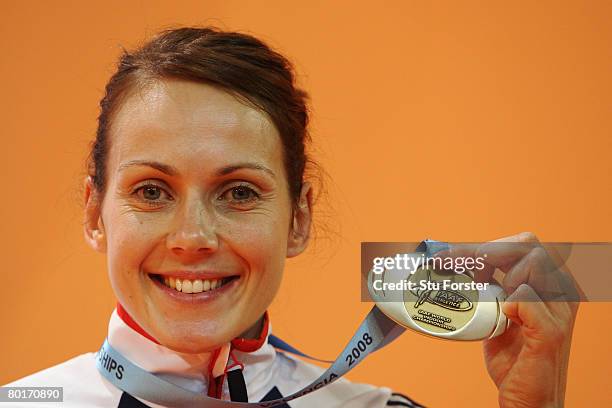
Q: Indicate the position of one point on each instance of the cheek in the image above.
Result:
(130, 238)
(262, 244)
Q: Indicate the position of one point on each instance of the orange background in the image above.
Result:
(450, 120)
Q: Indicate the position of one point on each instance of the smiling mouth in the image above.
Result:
(192, 285)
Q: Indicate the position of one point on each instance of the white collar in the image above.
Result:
(189, 370)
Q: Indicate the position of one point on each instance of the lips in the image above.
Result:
(228, 289)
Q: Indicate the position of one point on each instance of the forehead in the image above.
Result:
(189, 124)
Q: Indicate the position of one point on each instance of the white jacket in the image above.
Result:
(268, 373)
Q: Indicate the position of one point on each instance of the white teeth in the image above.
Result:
(187, 285)
(197, 286)
(192, 286)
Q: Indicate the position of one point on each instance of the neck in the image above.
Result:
(250, 340)
(255, 330)
(200, 372)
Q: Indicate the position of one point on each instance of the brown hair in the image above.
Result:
(238, 63)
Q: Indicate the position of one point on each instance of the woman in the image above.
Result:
(196, 193)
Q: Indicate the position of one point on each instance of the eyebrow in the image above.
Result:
(173, 171)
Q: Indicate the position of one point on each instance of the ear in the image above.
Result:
(93, 226)
(299, 233)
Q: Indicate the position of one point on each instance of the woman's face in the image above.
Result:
(196, 193)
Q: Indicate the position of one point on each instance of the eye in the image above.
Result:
(240, 194)
(151, 193)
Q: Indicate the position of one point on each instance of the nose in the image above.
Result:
(194, 230)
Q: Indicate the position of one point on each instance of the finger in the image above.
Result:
(501, 253)
(498, 253)
(525, 308)
(524, 260)
(552, 285)
(505, 252)
(467, 250)
(455, 250)
(559, 252)
(536, 269)
(520, 237)
(485, 274)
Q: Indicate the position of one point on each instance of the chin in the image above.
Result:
(192, 347)
(187, 342)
